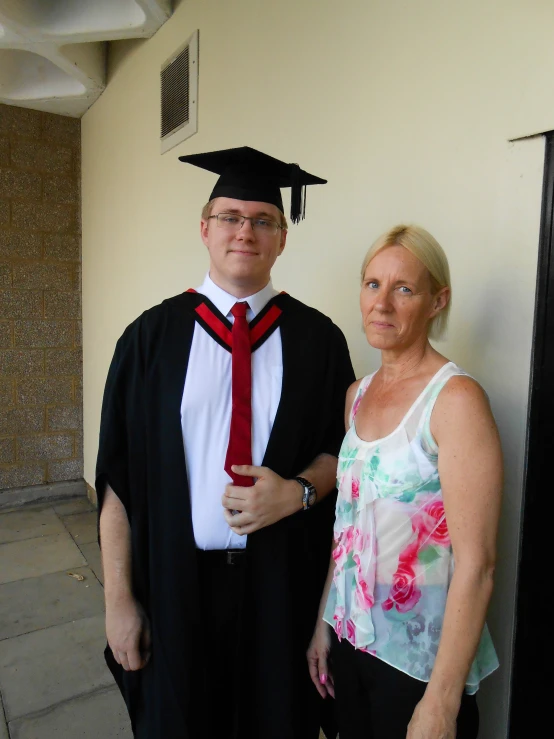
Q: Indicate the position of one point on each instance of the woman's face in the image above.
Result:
(397, 299)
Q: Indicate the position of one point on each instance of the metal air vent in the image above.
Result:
(179, 95)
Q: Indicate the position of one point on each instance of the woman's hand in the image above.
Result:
(432, 722)
(318, 654)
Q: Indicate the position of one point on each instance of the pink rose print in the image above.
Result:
(363, 596)
(355, 488)
(348, 539)
(356, 405)
(439, 535)
(339, 555)
(430, 524)
(408, 556)
(351, 631)
(404, 593)
(338, 627)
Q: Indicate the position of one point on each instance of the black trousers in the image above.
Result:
(233, 707)
(221, 598)
(376, 701)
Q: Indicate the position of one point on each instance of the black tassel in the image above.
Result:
(297, 195)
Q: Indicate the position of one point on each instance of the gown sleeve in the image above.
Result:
(120, 429)
(340, 377)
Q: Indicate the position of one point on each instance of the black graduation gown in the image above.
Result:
(141, 456)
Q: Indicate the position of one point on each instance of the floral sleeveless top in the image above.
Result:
(393, 557)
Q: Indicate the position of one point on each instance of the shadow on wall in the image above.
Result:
(119, 51)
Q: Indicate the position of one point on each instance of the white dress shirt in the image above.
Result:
(206, 414)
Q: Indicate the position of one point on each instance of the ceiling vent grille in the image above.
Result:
(179, 95)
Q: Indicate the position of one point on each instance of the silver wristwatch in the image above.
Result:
(309, 496)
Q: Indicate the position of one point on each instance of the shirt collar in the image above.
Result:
(224, 302)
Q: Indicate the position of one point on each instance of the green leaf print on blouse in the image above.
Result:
(370, 469)
(349, 564)
(432, 485)
(428, 555)
(344, 511)
(374, 461)
(407, 496)
(347, 457)
(394, 615)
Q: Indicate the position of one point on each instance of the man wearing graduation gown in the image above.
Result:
(215, 556)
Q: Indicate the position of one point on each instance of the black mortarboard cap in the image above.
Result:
(248, 174)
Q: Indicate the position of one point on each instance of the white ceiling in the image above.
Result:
(53, 52)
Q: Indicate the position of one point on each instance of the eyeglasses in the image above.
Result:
(234, 222)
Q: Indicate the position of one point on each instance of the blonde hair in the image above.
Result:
(208, 208)
(430, 253)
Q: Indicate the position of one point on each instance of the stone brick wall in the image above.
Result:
(40, 299)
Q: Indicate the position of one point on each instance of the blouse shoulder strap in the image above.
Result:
(433, 390)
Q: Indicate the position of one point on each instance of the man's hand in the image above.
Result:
(270, 499)
(128, 633)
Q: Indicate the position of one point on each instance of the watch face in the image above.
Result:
(309, 495)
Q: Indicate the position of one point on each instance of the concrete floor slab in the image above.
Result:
(24, 524)
(3, 725)
(27, 507)
(42, 494)
(49, 600)
(44, 668)
(35, 557)
(92, 554)
(78, 505)
(82, 527)
(102, 714)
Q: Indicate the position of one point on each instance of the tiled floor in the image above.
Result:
(53, 679)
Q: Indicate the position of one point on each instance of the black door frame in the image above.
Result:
(531, 694)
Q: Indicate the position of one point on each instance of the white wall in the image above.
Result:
(407, 108)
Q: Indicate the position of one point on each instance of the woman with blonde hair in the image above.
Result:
(420, 478)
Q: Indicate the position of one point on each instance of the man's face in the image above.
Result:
(241, 259)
